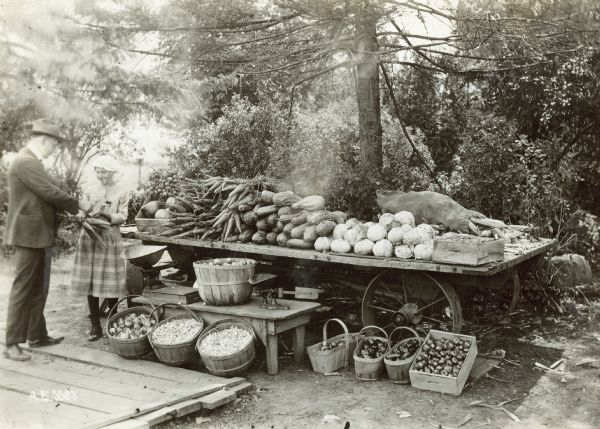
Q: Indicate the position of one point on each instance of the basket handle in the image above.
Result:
(407, 328)
(380, 330)
(110, 313)
(375, 327)
(346, 336)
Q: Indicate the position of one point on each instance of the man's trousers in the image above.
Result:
(25, 320)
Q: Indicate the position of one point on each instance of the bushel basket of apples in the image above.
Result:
(443, 362)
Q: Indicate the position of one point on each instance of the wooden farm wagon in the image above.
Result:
(396, 292)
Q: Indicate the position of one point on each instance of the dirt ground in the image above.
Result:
(298, 397)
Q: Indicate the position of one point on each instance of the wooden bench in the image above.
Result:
(267, 324)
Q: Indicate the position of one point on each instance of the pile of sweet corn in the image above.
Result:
(176, 331)
(225, 342)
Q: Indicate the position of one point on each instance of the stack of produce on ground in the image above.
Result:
(404, 349)
(131, 327)
(176, 331)
(225, 342)
(372, 348)
(442, 356)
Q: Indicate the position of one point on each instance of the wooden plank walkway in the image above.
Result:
(66, 386)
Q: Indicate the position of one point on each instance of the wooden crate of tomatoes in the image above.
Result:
(443, 362)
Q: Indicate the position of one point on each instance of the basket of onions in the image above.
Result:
(128, 330)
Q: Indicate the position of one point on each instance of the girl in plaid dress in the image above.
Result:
(99, 272)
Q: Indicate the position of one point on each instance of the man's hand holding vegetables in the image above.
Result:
(33, 204)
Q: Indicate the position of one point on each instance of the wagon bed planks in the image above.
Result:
(77, 387)
(510, 259)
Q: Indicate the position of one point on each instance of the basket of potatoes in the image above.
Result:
(173, 338)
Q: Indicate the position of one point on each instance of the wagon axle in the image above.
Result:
(409, 314)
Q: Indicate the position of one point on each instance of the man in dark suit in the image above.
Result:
(30, 227)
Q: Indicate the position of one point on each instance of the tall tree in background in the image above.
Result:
(293, 42)
(53, 66)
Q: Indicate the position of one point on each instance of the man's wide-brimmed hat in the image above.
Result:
(46, 127)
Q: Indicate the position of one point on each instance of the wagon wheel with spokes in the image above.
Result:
(411, 298)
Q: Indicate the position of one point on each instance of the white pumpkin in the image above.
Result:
(351, 236)
(424, 251)
(426, 229)
(340, 246)
(364, 247)
(387, 220)
(368, 224)
(403, 251)
(412, 237)
(376, 232)
(405, 218)
(383, 248)
(395, 235)
(355, 234)
(322, 244)
(339, 230)
(406, 227)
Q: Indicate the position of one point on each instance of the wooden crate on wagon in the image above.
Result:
(466, 249)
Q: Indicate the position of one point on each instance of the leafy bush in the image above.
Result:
(237, 144)
(508, 176)
(585, 228)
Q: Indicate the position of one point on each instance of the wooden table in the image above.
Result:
(267, 324)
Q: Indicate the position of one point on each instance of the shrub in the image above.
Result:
(237, 144)
(586, 231)
(510, 177)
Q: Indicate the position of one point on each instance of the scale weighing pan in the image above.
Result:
(144, 256)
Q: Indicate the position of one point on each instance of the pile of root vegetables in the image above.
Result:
(253, 211)
(208, 209)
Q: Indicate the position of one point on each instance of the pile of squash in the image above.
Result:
(291, 221)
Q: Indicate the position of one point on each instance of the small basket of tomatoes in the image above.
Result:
(368, 355)
(401, 355)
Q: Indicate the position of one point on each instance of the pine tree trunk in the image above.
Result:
(367, 95)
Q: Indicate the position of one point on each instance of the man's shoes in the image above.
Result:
(48, 341)
(14, 352)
